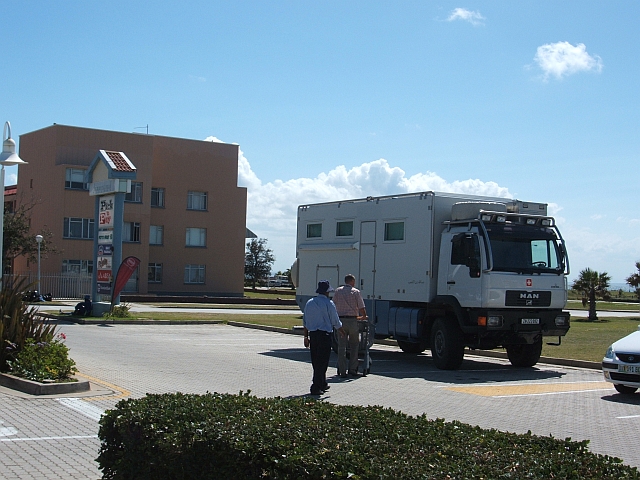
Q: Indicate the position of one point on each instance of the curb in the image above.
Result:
(37, 388)
(123, 321)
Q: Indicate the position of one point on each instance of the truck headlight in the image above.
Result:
(610, 355)
(494, 321)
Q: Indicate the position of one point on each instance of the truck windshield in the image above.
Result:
(525, 249)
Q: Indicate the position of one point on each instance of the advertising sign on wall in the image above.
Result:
(105, 237)
(105, 217)
(105, 250)
(104, 276)
(104, 263)
(104, 288)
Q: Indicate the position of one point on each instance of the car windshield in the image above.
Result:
(525, 249)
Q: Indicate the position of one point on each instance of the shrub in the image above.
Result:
(19, 322)
(182, 436)
(41, 361)
(118, 311)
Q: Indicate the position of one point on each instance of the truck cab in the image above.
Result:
(505, 276)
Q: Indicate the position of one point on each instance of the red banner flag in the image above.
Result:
(126, 269)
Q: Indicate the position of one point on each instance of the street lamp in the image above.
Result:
(8, 157)
(39, 241)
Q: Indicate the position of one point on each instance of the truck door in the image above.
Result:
(328, 272)
(367, 274)
(464, 271)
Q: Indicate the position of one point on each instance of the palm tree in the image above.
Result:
(634, 279)
(591, 283)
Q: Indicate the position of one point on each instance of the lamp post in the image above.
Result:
(39, 241)
(8, 157)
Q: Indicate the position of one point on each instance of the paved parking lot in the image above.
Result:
(57, 437)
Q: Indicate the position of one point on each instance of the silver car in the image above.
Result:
(621, 363)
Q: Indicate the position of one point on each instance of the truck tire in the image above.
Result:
(624, 389)
(447, 348)
(411, 347)
(524, 355)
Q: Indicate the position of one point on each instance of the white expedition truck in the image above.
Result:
(443, 271)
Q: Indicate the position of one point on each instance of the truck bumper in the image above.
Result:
(504, 327)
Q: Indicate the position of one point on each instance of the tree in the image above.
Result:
(257, 261)
(634, 279)
(19, 240)
(591, 284)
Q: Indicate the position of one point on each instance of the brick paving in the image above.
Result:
(57, 437)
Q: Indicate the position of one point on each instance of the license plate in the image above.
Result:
(628, 369)
(530, 321)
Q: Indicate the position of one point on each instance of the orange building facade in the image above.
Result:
(184, 218)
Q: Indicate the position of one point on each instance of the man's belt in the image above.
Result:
(348, 316)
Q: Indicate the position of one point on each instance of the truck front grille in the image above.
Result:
(523, 298)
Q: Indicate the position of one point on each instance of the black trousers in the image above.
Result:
(320, 348)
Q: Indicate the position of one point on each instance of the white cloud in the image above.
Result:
(474, 18)
(272, 206)
(562, 59)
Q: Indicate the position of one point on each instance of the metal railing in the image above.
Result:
(60, 286)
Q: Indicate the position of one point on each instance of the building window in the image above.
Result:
(194, 274)
(78, 227)
(155, 235)
(393, 231)
(76, 267)
(136, 193)
(197, 201)
(74, 179)
(157, 197)
(314, 230)
(155, 273)
(344, 229)
(196, 237)
(131, 232)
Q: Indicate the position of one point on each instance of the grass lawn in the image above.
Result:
(282, 321)
(602, 305)
(590, 340)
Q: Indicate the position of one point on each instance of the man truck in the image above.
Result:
(442, 271)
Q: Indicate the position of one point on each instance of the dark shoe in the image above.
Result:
(316, 392)
(344, 375)
(353, 374)
(326, 387)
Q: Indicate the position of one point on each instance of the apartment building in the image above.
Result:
(184, 218)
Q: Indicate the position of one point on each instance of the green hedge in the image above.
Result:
(178, 436)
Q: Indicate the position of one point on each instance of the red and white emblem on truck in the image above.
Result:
(529, 282)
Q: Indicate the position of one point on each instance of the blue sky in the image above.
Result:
(330, 100)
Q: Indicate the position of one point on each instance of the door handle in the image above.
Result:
(451, 283)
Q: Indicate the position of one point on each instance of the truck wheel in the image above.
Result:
(524, 355)
(624, 389)
(411, 347)
(447, 348)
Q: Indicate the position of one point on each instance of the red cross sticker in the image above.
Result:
(529, 282)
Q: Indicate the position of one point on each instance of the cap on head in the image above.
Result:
(324, 287)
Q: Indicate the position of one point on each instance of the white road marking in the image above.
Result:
(87, 409)
(7, 431)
